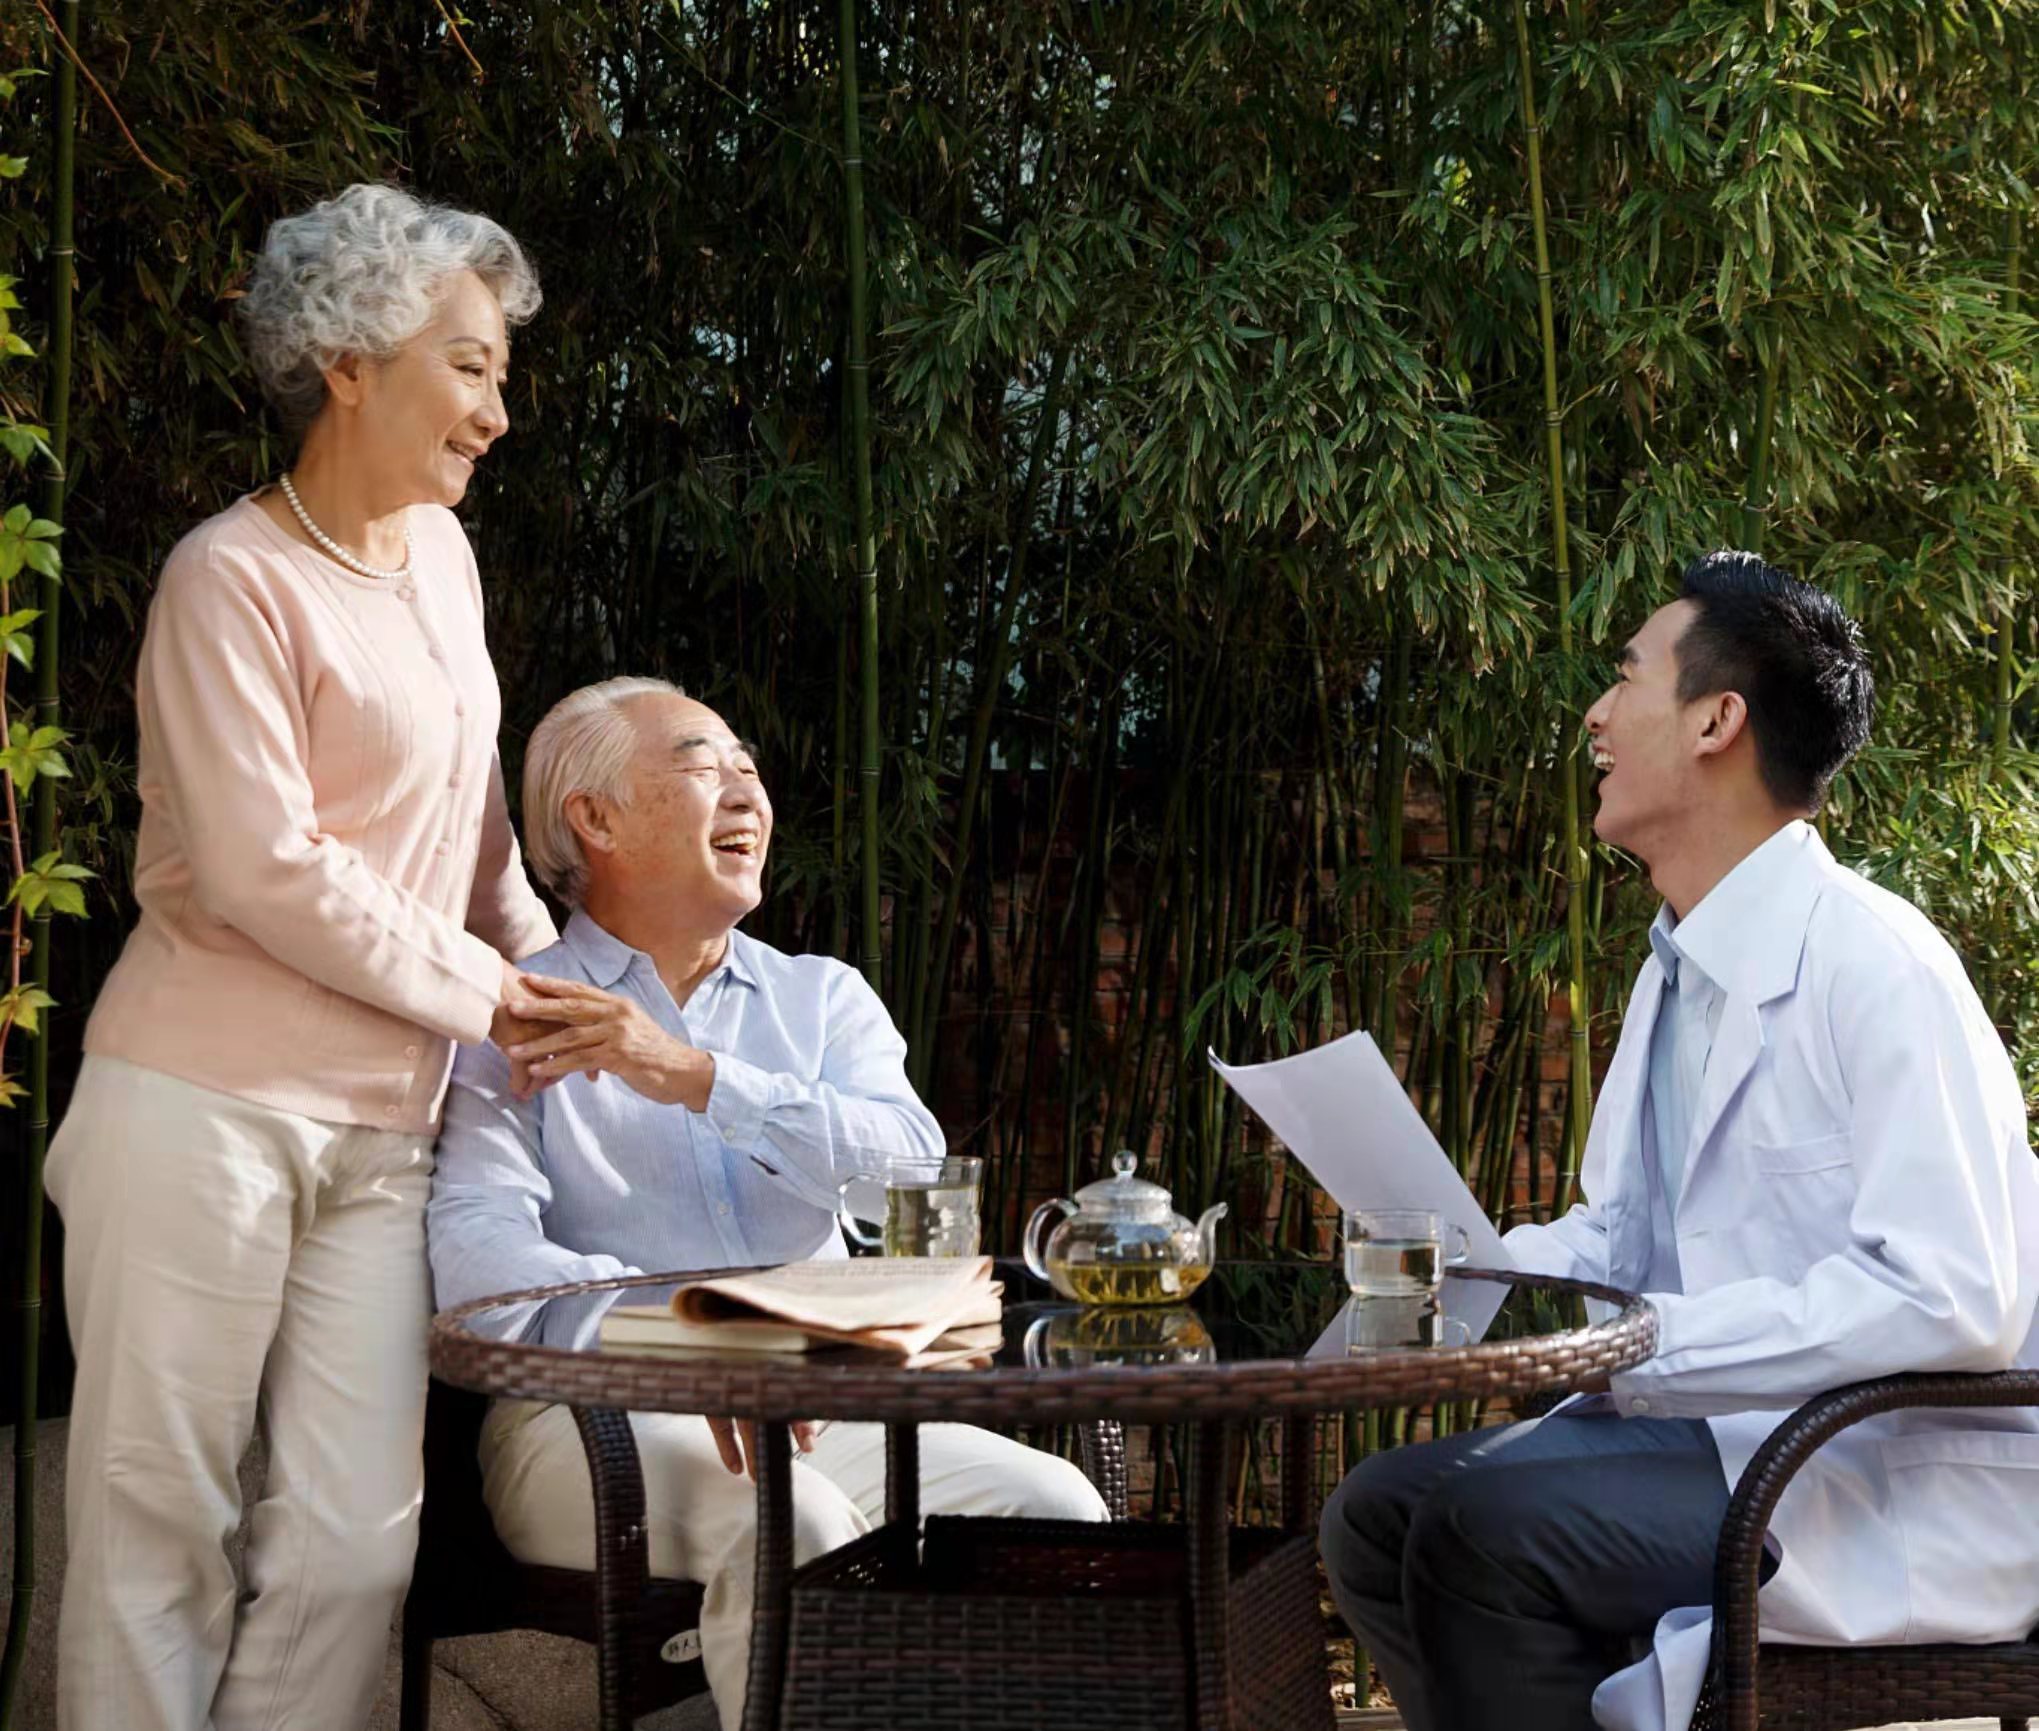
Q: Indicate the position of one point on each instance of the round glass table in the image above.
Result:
(1257, 1340)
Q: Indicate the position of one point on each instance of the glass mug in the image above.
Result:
(1392, 1324)
(927, 1214)
(1400, 1252)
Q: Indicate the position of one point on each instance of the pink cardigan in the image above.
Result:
(325, 868)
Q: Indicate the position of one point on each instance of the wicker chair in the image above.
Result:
(466, 1583)
(1781, 1688)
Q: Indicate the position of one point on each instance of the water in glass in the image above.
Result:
(1393, 1267)
(934, 1218)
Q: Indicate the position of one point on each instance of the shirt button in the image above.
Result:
(724, 1208)
(438, 654)
(389, 1111)
(1639, 1404)
(410, 1051)
(460, 709)
(445, 847)
(453, 780)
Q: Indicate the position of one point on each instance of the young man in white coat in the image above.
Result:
(1810, 1152)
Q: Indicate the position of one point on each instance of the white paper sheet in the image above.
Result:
(1340, 1109)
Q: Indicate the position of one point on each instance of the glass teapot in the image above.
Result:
(1084, 1339)
(1122, 1243)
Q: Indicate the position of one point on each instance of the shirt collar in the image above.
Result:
(1751, 924)
(607, 958)
(1664, 944)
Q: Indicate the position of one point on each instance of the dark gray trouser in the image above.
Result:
(1499, 1575)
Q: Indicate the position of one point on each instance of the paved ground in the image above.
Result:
(519, 1682)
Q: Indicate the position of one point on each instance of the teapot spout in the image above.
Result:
(1207, 1232)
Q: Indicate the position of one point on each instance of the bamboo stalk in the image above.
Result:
(1756, 501)
(910, 934)
(1390, 801)
(860, 456)
(839, 808)
(1123, 1100)
(997, 663)
(1575, 873)
(1092, 905)
(29, 1305)
(2007, 618)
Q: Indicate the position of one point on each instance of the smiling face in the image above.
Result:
(435, 406)
(697, 825)
(1647, 745)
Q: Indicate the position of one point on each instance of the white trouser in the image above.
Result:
(702, 1521)
(219, 1256)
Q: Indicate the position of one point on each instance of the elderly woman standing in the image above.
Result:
(329, 888)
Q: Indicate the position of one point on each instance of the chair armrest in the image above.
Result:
(1739, 1555)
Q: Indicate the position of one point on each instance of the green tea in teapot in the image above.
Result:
(1127, 1282)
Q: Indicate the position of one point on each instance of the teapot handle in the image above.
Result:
(1034, 1349)
(1030, 1243)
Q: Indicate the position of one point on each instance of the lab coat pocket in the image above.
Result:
(1967, 1504)
(1820, 1154)
(1808, 1191)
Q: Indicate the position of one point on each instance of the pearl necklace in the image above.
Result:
(401, 576)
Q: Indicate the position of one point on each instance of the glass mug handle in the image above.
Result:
(1456, 1326)
(1456, 1245)
(850, 1223)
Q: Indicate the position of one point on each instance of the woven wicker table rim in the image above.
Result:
(772, 1387)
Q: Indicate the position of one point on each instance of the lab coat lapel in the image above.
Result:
(1620, 1118)
(1737, 1044)
(1751, 950)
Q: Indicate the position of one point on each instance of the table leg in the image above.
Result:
(1210, 1524)
(622, 1560)
(902, 1474)
(1299, 1472)
(770, 1615)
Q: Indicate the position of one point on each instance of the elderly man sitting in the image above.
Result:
(704, 1100)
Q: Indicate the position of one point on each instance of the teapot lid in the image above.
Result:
(1123, 1196)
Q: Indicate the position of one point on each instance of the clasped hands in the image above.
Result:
(550, 1028)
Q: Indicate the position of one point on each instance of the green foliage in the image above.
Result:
(28, 547)
(50, 882)
(31, 752)
(1281, 711)
(27, 540)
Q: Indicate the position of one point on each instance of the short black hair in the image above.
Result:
(1795, 658)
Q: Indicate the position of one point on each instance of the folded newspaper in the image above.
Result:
(917, 1310)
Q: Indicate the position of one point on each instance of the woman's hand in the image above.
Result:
(737, 1442)
(518, 1018)
(601, 1030)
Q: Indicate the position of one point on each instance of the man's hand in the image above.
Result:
(601, 1030)
(737, 1443)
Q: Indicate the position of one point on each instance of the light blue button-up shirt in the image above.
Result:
(1687, 1016)
(591, 1179)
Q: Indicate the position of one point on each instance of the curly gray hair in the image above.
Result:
(357, 274)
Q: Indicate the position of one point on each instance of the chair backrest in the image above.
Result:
(465, 1579)
(467, 1583)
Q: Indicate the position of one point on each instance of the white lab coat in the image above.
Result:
(1859, 1199)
